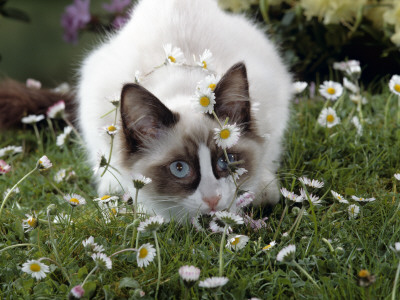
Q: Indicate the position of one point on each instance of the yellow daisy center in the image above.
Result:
(74, 201)
(40, 162)
(172, 59)
(363, 273)
(331, 90)
(113, 211)
(204, 64)
(204, 101)
(235, 241)
(35, 267)
(397, 87)
(111, 128)
(224, 134)
(31, 222)
(143, 253)
(212, 86)
(330, 118)
(340, 198)
(267, 247)
(352, 211)
(105, 197)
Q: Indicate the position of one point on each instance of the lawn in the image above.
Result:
(339, 253)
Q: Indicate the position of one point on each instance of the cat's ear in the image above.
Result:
(144, 117)
(232, 97)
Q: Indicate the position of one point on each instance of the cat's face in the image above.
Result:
(178, 152)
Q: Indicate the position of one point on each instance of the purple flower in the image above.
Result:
(75, 17)
(116, 6)
(119, 21)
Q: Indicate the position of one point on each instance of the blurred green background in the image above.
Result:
(37, 49)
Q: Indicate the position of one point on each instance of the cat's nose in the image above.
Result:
(212, 202)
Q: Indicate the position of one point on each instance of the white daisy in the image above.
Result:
(101, 162)
(204, 100)
(145, 255)
(228, 218)
(345, 65)
(227, 136)
(189, 273)
(63, 136)
(4, 167)
(356, 98)
(151, 224)
(10, 150)
(245, 199)
(196, 223)
(44, 163)
(173, 55)
(209, 82)
(361, 199)
(339, 197)
(213, 282)
(138, 77)
(312, 183)
(56, 111)
(139, 180)
(237, 242)
(111, 130)
(299, 86)
(269, 246)
(354, 71)
(89, 242)
(237, 173)
(33, 84)
(98, 248)
(396, 247)
(35, 268)
(291, 196)
(313, 198)
(31, 119)
(15, 191)
(109, 209)
(127, 198)
(216, 227)
(61, 218)
(60, 175)
(205, 59)
(74, 199)
(350, 86)
(394, 84)
(62, 88)
(331, 90)
(30, 223)
(328, 117)
(102, 260)
(77, 292)
(397, 176)
(353, 211)
(286, 254)
(357, 124)
(106, 198)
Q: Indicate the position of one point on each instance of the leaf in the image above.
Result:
(350, 191)
(15, 13)
(128, 282)
(90, 288)
(82, 272)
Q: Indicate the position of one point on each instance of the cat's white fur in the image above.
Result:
(192, 25)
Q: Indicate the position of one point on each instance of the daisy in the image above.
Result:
(31, 119)
(30, 223)
(56, 111)
(35, 268)
(299, 86)
(213, 282)
(396, 247)
(173, 55)
(77, 292)
(98, 248)
(74, 199)
(15, 191)
(237, 242)
(312, 183)
(102, 260)
(269, 246)
(210, 82)
(344, 65)
(62, 88)
(138, 77)
(331, 90)
(339, 197)
(60, 175)
(357, 98)
(328, 117)
(196, 223)
(228, 218)
(189, 273)
(394, 84)
(291, 196)
(10, 150)
(353, 70)
(206, 59)
(127, 198)
(361, 199)
(111, 130)
(350, 86)
(353, 211)
(109, 209)
(44, 163)
(151, 224)
(237, 173)
(204, 100)
(4, 167)
(101, 162)
(397, 176)
(89, 242)
(227, 136)
(139, 181)
(33, 84)
(357, 124)
(245, 199)
(106, 198)
(145, 255)
(63, 136)
(216, 227)
(313, 198)
(286, 254)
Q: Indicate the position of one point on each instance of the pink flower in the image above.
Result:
(56, 110)
(33, 84)
(75, 17)
(77, 292)
(4, 167)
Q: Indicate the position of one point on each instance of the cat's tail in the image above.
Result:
(17, 100)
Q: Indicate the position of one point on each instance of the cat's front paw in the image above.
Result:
(267, 192)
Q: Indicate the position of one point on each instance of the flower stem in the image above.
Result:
(280, 222)
(396, 280)
(123, 250)
(134, 232)
(159, 263)
(221, 250)
(305, 273)
(88, 275)
(51, 128)
(387, 111)
(17, 245)
(74, 130)
(109, 156)
(39, 140)
(297, 221)
(14, 187)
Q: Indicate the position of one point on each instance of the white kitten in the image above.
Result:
(162, 136)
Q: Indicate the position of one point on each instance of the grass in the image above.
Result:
(331, 248)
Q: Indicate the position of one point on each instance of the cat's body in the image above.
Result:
(148, 146)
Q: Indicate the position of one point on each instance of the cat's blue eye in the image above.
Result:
(179, 169)
(222, 163)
